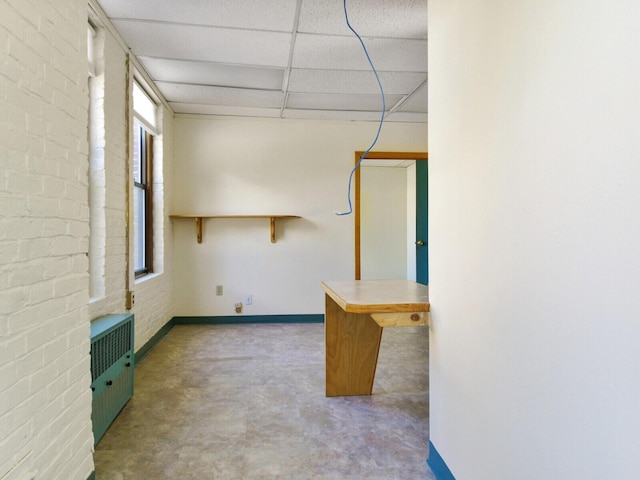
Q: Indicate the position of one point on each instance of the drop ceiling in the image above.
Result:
(281, 58)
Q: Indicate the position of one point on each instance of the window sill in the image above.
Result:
(97, 299)
(147, 277)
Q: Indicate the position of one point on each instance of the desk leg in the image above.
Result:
(352, 346)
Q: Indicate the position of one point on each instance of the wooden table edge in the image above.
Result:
(374, 308)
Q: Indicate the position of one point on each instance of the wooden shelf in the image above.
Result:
(198, 219)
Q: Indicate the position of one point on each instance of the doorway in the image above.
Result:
(417, 214)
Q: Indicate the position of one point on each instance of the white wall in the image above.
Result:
(263, 166)
(45, 400)
(383, 222)
(534, 131)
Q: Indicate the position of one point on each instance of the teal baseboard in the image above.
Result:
(243, 319)
(92, 476)
(223, 320)
(438, 465)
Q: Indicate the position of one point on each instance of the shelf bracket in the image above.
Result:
(199, 229)
(273, 229)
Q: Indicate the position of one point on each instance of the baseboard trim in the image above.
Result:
(438, 465)
(244, 319)
(223, 320)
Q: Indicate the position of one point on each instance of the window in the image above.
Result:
(97, 173)
(91, 33)
(144, 122)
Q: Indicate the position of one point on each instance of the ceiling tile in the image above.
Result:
(370, 18)
(346, 115)
(199, 109)
(250, 14)
(352, 81)
(417, 102)
(346, 53)
(336, 115)
(209, 73)
(406, 117)
(181, 93)
(182, 42)
(317, 101)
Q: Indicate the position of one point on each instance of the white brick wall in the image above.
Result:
(45, 400)
(153, 295)
(112, 75)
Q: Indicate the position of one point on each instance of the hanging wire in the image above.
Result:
(384, 107)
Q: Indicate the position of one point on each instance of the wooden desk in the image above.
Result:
(355, 313)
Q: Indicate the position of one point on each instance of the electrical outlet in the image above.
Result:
(219, 290)
(238, 308)
(248, 299)
(130, 300)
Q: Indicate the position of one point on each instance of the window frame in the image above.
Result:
(145, 157)
(145, 129)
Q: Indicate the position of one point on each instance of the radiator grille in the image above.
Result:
(106, 350)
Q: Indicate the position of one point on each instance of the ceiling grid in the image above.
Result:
(282, 58)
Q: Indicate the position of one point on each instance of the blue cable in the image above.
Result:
(384, 107)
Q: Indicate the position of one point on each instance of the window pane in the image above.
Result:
(138, 136)
(141, 166)
(138, 228)
(143, 105)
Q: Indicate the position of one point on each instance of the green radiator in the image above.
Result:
(111, 369)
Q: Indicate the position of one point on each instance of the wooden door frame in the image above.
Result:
(374, 156)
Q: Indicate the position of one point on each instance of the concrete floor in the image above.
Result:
(247, 402)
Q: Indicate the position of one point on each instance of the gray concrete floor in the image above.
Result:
(247, 402)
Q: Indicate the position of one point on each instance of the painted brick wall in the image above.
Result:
(45, 400)
(153, 294)
(112, 147)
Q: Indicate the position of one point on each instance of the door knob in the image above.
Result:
(420, 243)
